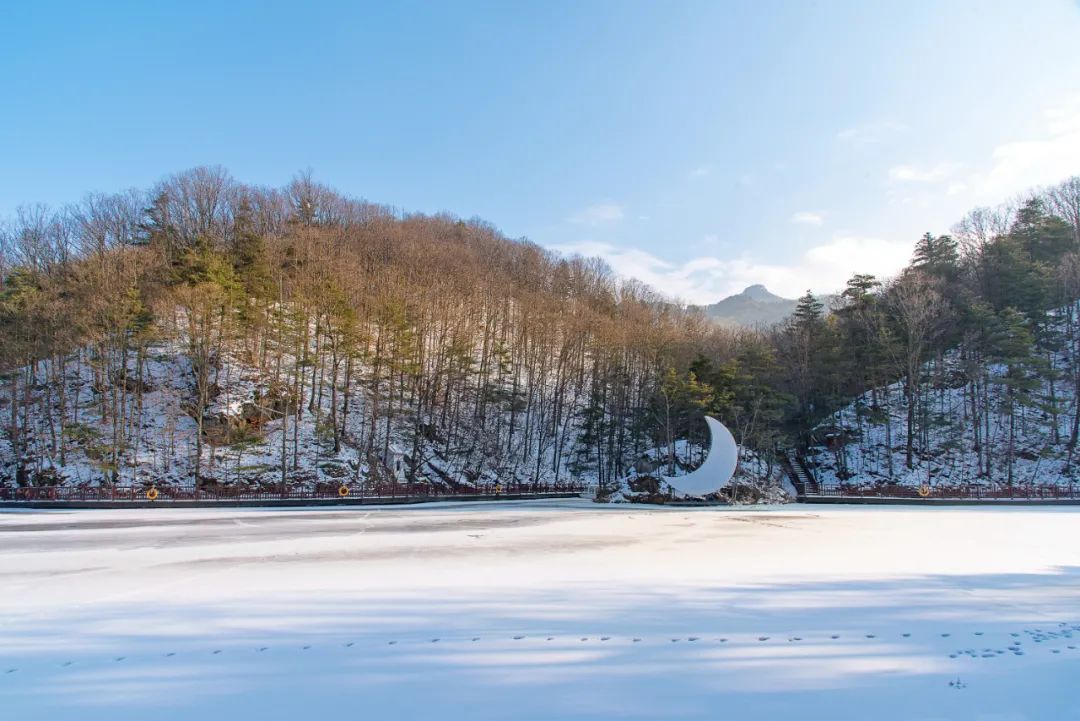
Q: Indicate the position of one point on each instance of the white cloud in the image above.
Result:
(824, 268)
(916, 174)
(808, 217)
(1049, 157)
(700, 172)
(598, 214)
(873, 133)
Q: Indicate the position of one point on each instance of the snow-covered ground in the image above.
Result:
(947, 439)
(540, 611)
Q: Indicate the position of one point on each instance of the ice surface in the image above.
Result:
(540, 611)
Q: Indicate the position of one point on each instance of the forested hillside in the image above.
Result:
(208, 332)
(971, 357)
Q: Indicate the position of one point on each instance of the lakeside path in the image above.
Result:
(540, 610)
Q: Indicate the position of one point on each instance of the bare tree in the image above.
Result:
(198, 203)
(921, 311)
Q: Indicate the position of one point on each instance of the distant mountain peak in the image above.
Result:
(754, 307)
(761, 294)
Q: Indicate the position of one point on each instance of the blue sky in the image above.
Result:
(701, 146)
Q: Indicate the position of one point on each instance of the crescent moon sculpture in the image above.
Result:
(718, 468)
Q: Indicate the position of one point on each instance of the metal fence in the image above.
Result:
(345, 491)
(1045, 492)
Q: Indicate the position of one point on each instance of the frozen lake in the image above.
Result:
(541, 610)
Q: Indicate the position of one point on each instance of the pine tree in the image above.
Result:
(808, 312)
(249, 256)
(807, 345)
(1011, 345)
(936, 256)
(1044, 237)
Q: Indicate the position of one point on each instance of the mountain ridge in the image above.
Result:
(755, 306)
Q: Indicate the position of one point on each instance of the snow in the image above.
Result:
(875, 432)
(162, 437)
(243, 449)
(358, 613)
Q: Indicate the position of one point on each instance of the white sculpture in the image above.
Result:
(718, 468)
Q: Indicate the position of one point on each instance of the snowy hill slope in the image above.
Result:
(973, 427)
(85, 427)
(245, 434)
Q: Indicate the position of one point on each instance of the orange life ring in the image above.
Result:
(924, 491)
(343, 490)
(152, 494)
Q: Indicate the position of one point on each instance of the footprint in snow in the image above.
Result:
(349, 644)
(390, 643)
(518, 638)
(692, 638)
(763, 638)
(637, 640)
(834, 637)
(870, 635)
(945, 635)
(305, 648)
(906, 635)
(476, 638)
(120, 658)
(260, 650)
(67, 663)
(608, 638)
(216, 652)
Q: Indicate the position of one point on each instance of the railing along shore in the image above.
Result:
(344, 492)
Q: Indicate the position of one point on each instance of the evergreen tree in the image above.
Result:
(249, 255)
(936, 256)
(808, 312)
(1012, 346)
(808, 354)
(1043, 237)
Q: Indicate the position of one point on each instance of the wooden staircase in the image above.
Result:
(801, 476)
